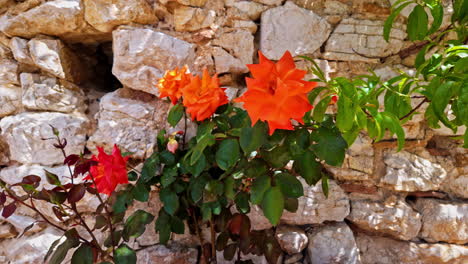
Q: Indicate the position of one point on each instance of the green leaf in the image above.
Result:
(440, 100)
(291, 204)
(393, 124)
(197, 168)
(242, 202)
(169, 176)
(259, 186)
(346, 115)
(114, 239)
(61, 251)
(132, 176)
(52, 178)
(314, 94)
(252, 138)
(197, 186)
(140, 192)
(163, 226)
(149, 167)
(437, 12)
(325, 185)
(417, 24)
(125, 255)
(136, 224)
(167, 158)
(197, 151)
(273, 205)
(177, 225)
(289, 185)
(124, 199)
(215, 187)
(277, 157)
(51, 249)
(83, 255)
(229, 191)
(320, 108)
(389, 21)
(330, 146)
(228, 153)
(176, 113)
(308, 167)
(170, 200)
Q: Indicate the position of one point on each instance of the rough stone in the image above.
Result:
(333, 243)
(313, 208)
(292, 28)
(50, 94)
(142, 55)
(353, 37)
(10, 99)
(246, 25)
(192, 19)
(21, 222)
(291, 239)
(53, 18)
(54, 57)
(105, 15)
(192, 2)
(129, 119)
(393, 217)
(225, 62)
(269, 2)
(443, 221)
(457, 186)
(14, 174)
(24, 133)
(7, 231)
(4, 153)
(172, 254)
(252, 9)
(8, 72)
(240, 43)
(36, 247)
(410, 173)
(20, 50)
(382, 250)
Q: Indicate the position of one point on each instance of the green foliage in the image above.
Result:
(233, 163)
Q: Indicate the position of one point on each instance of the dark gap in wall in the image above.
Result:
(104, 77)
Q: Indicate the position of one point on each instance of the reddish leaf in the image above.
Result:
(235, 224)
(71, 160)
(2, 198)
(33, 180)
(58, 213)
(9, 210)
(76, 193)
(63, 187)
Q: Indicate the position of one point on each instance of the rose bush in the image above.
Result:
(242, 149)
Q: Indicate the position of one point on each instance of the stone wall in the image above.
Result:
(88, 67)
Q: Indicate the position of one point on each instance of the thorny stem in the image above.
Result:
(73, 205)
(109, 219)
(33, 207)
(197, 230)
(213, 242)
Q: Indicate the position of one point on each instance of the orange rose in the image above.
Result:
(276, 93)
(172, 83)
(202, 97)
